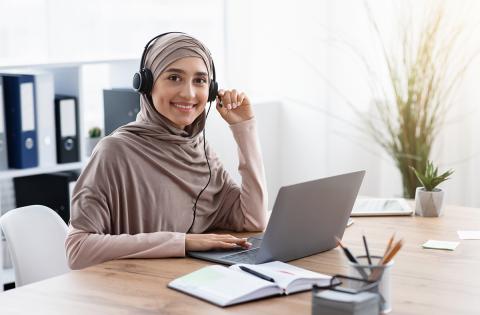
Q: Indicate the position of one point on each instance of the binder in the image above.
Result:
(120, 106)
(52, 190)
(67, 129)
(20, 116)
(45, 97)
(3, 139)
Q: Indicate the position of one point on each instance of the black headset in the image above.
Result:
(143, 79)
(143, 83)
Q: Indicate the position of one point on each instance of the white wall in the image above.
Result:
(306, 55)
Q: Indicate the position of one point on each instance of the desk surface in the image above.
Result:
(424, 281)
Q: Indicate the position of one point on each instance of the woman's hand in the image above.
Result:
(204, 242)
(235, 106)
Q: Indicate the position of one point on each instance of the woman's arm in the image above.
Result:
(86, 249)
(245, 207)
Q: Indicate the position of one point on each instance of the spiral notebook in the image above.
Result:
(225, 286)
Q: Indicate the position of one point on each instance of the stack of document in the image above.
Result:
(381, 207)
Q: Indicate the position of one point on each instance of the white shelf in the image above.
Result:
(13, 64)
(8, 275)
(11, 173)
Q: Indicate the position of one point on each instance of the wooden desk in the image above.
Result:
(424, 281)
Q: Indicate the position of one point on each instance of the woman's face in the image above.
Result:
(181, 91)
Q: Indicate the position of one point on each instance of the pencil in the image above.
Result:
(390, 241)
(366, 249)
(386, 259)
(393, 252)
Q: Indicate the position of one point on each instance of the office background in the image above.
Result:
(290, 57)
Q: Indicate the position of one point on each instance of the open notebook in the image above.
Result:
(226, 286)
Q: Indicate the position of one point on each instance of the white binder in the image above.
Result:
(3, 138)
(45, 88)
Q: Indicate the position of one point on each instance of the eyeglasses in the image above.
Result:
(348, 284)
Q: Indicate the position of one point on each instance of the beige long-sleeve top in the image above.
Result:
(125, 218)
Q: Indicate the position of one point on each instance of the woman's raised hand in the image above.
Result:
(204, 242)
(235, 107)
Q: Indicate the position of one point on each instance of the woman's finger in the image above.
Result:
(226, 100)
(240, 98)
(233, 96)
(219, 102)
(220, 244)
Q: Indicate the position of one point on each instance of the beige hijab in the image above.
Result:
(146, 175)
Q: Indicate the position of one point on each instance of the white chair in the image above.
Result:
(36, 239)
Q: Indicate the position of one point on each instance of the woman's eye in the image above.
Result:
(201, 80)
(174, 77)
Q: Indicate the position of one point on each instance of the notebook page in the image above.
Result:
(223, 286)
(288, 277)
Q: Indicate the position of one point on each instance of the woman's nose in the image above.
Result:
(187, 91)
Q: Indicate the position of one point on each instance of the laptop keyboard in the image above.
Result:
(247, 257)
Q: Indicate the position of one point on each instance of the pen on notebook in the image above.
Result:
(256, 273)
(366, 249)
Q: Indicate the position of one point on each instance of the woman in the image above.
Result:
(137, 197)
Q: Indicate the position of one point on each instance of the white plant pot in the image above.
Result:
(90, 144)
(429, 203)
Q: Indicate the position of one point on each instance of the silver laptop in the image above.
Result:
(305, 220)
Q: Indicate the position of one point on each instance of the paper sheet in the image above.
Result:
(469, 235)
(433, 244)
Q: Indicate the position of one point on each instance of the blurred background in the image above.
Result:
(314, 70)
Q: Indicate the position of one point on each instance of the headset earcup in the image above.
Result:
(137, 81)
(148, 81)
(143, 81)
(213, 91)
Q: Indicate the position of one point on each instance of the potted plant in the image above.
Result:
(429, 199)
(94, 135)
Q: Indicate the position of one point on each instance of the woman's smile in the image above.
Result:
(183, 107)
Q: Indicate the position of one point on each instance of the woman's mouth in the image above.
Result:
(184, 107)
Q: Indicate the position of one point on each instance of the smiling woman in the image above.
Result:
(134, 198)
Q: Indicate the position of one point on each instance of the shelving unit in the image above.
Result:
(84, 79)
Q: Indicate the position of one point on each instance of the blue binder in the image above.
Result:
(20, 114)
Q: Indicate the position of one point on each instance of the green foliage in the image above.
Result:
(423, 73)
(94, 132)
(430, 178)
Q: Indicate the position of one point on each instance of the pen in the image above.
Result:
(351, 258)
(346, 251)
(256, 273)
(366, 249)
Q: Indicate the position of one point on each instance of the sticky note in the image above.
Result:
(440, 245)
(469, 235)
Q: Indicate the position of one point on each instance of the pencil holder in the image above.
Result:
(346, 296)
(380, 273)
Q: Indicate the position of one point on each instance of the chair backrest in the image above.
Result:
(36, 238)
